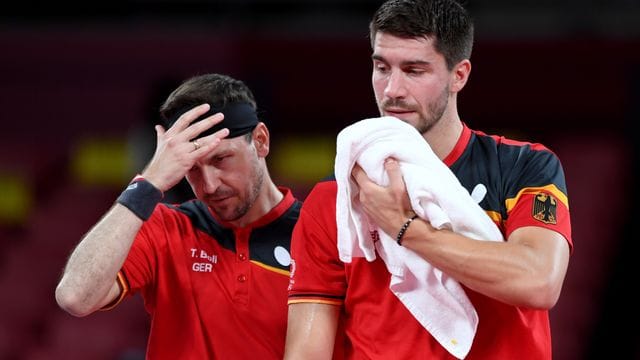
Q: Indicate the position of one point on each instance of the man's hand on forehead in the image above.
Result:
(177, 151)
(239, 117)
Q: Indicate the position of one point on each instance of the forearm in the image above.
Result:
(528, 270)
(91, 270)
(483, 267)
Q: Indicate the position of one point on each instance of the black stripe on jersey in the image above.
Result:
(505, 167)
(201, 219)
(262, 241)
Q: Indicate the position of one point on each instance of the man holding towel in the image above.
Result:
(213, 271)
(421, 52)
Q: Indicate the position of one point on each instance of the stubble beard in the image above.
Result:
(427, 121)
(435, 110)
(253, 191)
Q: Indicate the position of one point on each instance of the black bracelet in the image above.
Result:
(141, 197)
(404, 228)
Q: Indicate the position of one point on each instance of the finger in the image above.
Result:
(358, 175)
(188, 117)
(159, 130)
(396, 181)
(392, 167)
(198, 128)
(209, 142)
(218, 135)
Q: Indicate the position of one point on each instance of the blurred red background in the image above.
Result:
(79, 92)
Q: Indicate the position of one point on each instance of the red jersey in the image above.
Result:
(525, 186)
(213, 292)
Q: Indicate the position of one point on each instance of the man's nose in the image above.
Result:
(210, 180)
(396, 87)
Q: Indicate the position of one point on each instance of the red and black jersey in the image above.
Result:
(213, 292)
(518, 184)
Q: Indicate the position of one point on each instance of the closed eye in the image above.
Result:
(221, 159)
(379, 65)
(415, 71)
(380, 68)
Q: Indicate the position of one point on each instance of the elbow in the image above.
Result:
(548, 289)
(545, 295)
(544, 301)
(71, 302)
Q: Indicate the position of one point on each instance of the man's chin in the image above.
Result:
(222, 212)
(226, 215)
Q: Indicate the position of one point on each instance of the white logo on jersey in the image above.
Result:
(282, 256)
(478, 193)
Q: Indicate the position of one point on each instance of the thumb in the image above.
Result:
(396, 181)
(392, 167)
(159, 130)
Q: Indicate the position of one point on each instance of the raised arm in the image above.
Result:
(311, 331)
(89, 279)
(526, 270)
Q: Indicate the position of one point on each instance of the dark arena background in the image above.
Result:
(80, 84)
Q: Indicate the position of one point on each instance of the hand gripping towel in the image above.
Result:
(436, 300)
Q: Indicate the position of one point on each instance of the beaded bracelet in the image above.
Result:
(141, 197)
(403, 229)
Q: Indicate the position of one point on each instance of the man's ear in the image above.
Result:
(261, 139)
(461, 72)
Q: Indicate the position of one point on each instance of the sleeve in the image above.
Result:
(317, 274)
(138, 273)
(140, 266)
(537, 193)
(138, 270)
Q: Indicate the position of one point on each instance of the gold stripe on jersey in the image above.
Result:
(124, 290)
(551, 188)
(495, 216)
(271, 268)
(314, 301)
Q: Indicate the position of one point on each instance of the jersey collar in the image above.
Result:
(273, 214)
(458, 149)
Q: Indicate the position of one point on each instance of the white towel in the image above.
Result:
(436, 300)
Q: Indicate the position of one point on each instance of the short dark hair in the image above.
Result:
(216, 90)
(445, 21)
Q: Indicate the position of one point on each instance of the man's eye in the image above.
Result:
(414, 71)
(380, 67)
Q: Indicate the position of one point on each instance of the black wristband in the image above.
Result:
(403, 229)
(141, 197)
